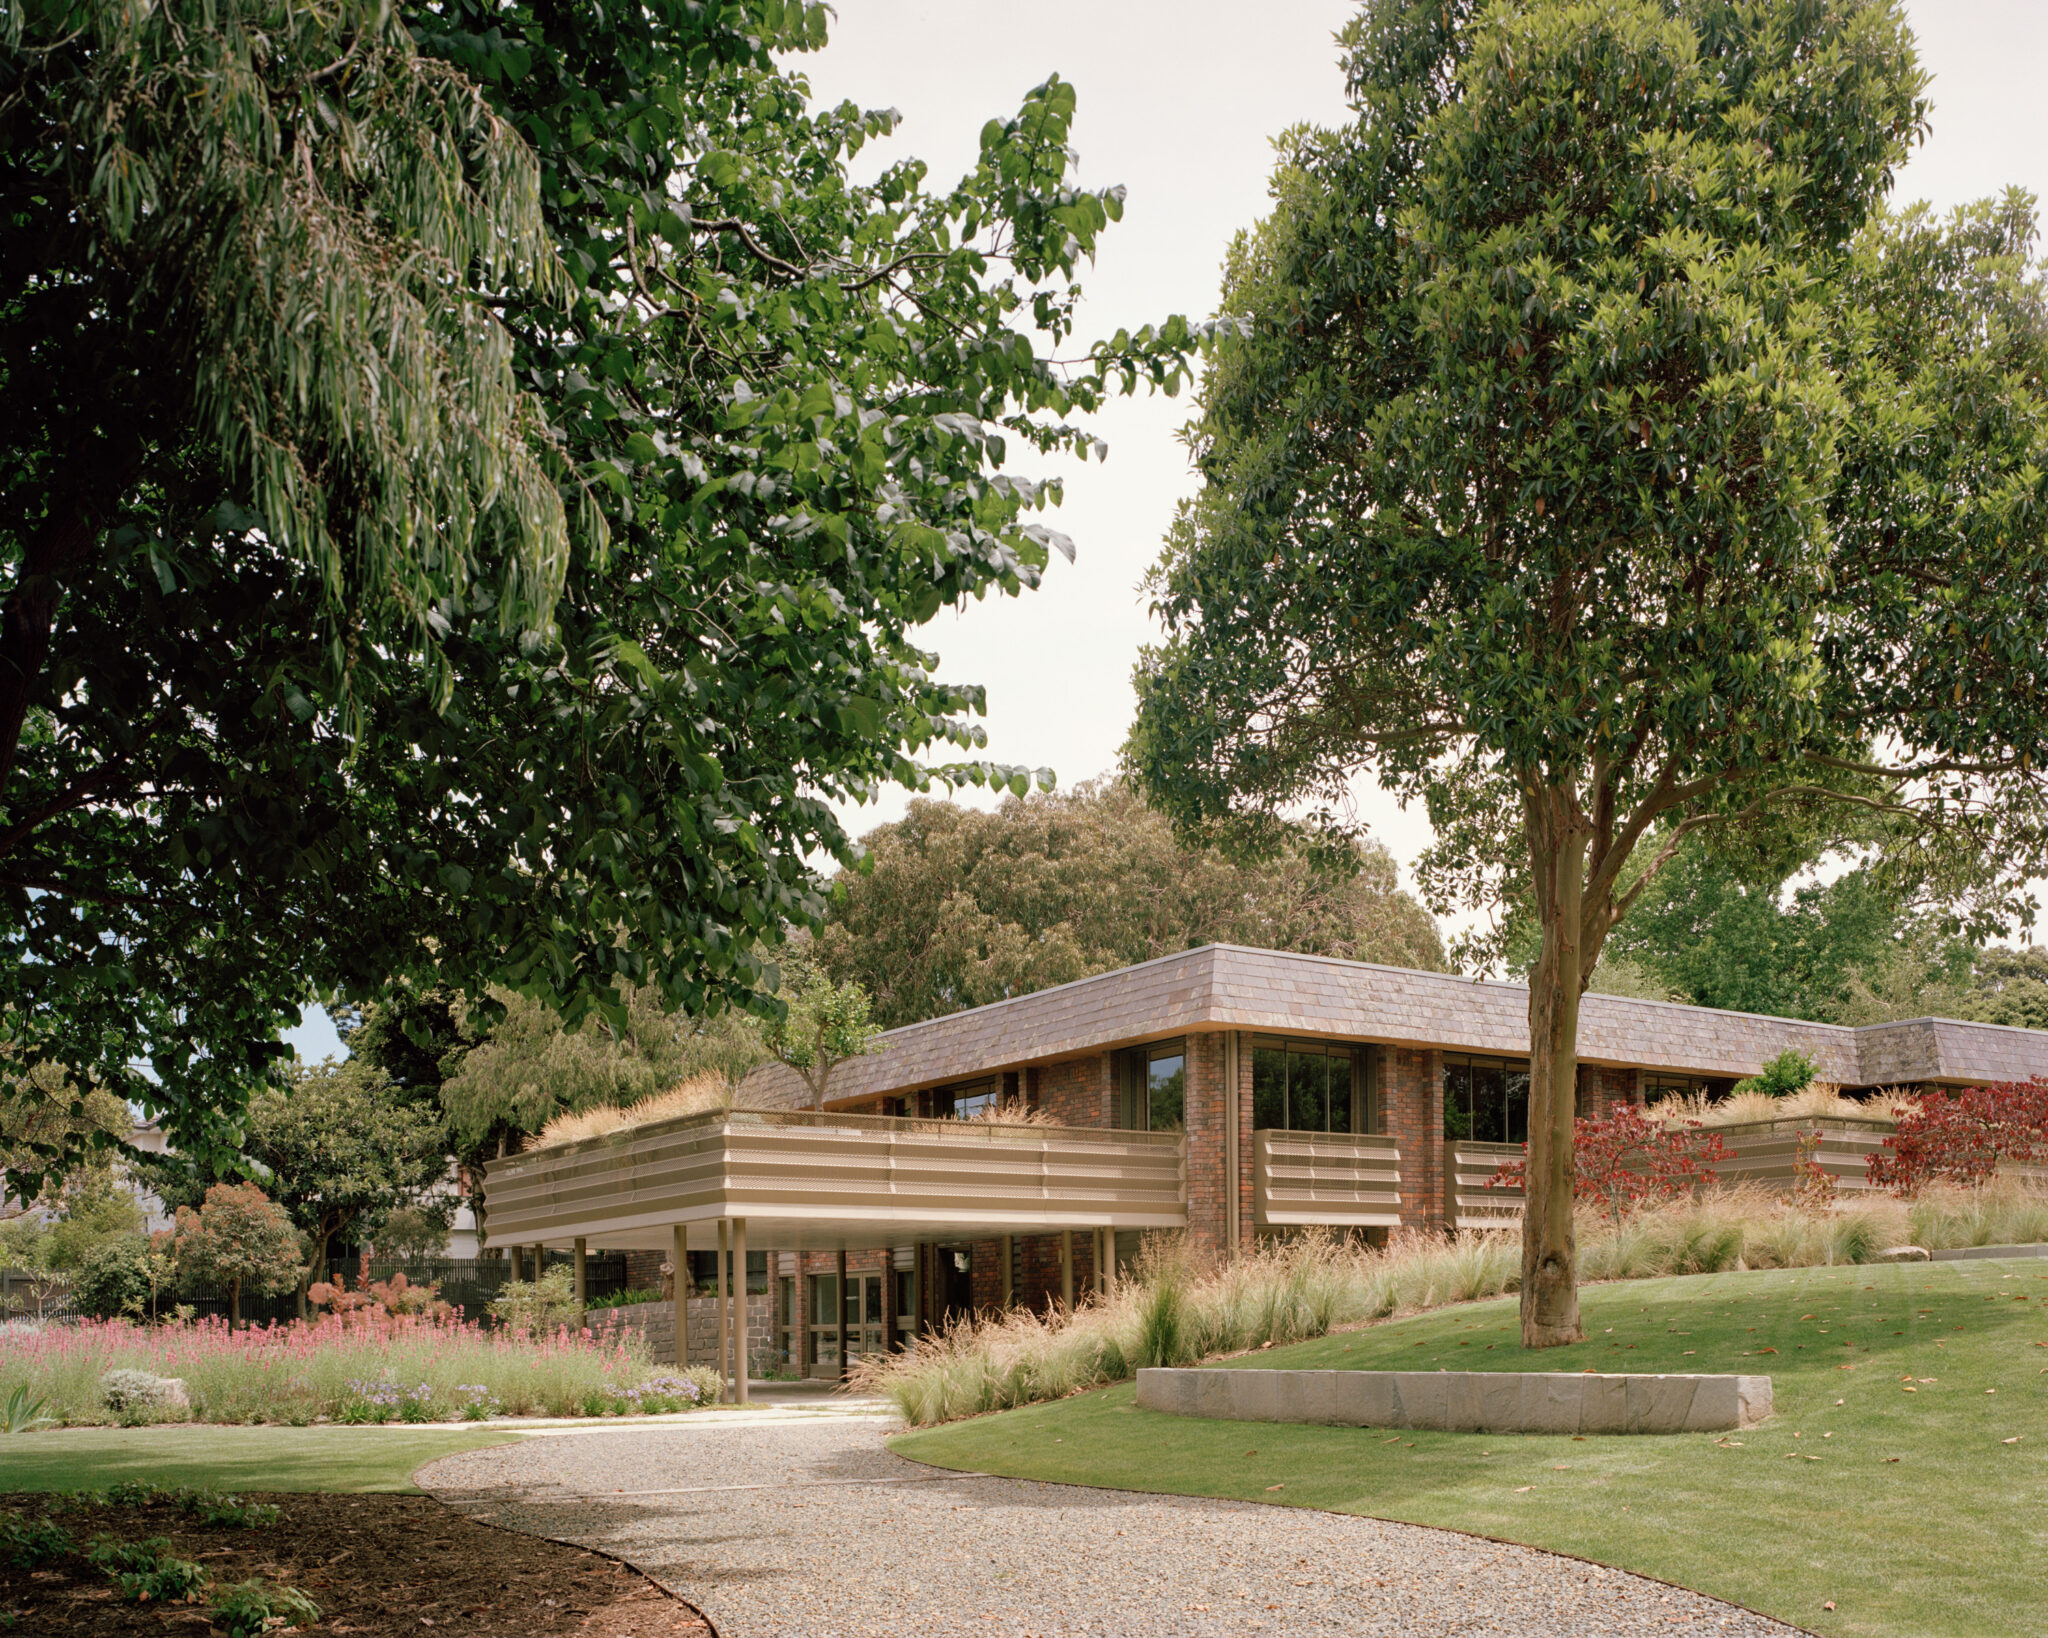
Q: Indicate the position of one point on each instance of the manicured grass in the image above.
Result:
(1907, 1510)
(230, 1458)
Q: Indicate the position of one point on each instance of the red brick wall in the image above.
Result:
(1412, 1083)
(1602, 1088)
(1206, 1183)
(1247, 1193)
(1079, 1091)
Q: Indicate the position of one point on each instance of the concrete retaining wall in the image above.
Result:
(1463, 1401)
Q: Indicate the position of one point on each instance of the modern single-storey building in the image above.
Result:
(1226, 1092)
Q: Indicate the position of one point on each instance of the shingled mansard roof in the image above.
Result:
(1227, 987)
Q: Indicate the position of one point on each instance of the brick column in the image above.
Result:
(1602, 1090)
(1079, 1091)
(1206, 1183)
(1247, 1194)
(1412, 1082)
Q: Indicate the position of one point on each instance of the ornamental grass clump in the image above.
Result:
(1176, 1309)
(400, 1369)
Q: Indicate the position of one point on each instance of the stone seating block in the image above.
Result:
(1716, 1405)
(1603, 1404)
(1657, 1403)
(1754, 1392)
(1362, 1399)
(1551, 1403)
(1302, 1396)
(1257, 1395)
(1214, 1395)
(1421, 1399)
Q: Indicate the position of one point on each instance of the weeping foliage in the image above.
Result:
(318, 219)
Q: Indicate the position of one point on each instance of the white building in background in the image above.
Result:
(147, 1136)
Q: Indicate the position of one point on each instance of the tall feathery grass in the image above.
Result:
(699, 1095)
(1175, 1310)
(1821, 1101)
(301, 1372)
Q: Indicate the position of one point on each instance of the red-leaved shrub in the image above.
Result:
(1962, 1139)
(377, 1303)
(1628, 1160)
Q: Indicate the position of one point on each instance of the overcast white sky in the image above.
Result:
(1179, 101)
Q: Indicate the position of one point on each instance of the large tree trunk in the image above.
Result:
(1550, 1293)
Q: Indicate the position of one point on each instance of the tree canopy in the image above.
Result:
(1717, 936)
(956, 908)
(469, 527)
(1603, 464)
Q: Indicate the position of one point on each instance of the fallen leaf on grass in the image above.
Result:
(1891, 1458)
(2015, 1439)
(1522, 1489)
(1270, 1486)
(1830, 1604)
(1909, 1388)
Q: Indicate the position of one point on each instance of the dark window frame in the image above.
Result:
(1362, 1108)
(1490, 1113)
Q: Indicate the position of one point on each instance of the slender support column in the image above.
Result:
(1105, 1258)
(1067, 1269)
(724, 1326)
(512, 1264)
(739, 1329)
(679, 1260)
(1009, 1268)
(888, 1299)
(842, 1315)
(1233, 1186)
(582, 1273)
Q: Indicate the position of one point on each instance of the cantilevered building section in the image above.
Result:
(1017, 1153)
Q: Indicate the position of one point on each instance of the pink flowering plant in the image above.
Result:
(349, 1366)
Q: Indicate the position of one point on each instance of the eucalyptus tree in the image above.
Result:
(1606, 468)
(470, 478)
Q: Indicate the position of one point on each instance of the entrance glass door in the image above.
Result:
(863, 1318)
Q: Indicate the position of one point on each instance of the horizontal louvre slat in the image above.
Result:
(856, 1169)
(1304, 1179)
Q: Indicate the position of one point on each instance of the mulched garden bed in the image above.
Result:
(375, 1564)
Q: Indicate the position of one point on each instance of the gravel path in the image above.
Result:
(815, 1530)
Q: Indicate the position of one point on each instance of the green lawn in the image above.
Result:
(230, 1458)
(1909, 1511)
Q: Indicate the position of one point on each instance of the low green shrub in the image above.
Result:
(247, 1608)
(147, 1572)
(624, 1299)
(26, 1543)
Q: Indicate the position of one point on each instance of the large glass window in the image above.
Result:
(969, 1101)
(1152, 1089)
(1306, 1086)
(704, 1273)
(1486, 1100)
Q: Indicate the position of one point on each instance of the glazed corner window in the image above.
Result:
(1152, 1088)
(1308, 1086)
(971, 1100)
(1486, 1100)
